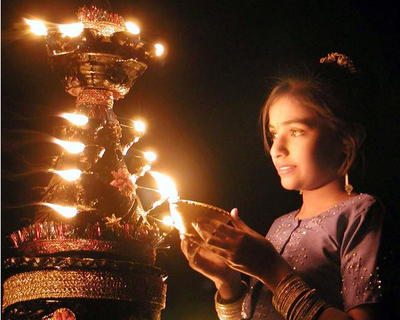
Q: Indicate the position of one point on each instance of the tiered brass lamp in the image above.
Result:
(90, 253)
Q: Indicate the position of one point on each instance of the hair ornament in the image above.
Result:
(341, 60)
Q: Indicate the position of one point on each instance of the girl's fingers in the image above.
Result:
(216, 228)
(215, 249)
(204, 231)
(212, 234)
(237, 222)
(189, 248)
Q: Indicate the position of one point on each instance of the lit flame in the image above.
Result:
(177, 217)
(166, 186)
(150, 156)
(159, 49)
(37, 27)
(72, 147)
(71, 30)
(68, 212)
(132, 28)
(168, 221)
(69, 175)
(167, 191)
(139, 126)
(77, 119)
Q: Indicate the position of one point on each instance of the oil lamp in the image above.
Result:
(90, 253)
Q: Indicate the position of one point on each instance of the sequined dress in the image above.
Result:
(334, 252)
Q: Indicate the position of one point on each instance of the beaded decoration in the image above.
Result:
(341, 60)
(101, 20)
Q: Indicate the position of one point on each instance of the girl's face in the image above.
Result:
(305, 152)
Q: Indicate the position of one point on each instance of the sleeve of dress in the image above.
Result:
(359, 256)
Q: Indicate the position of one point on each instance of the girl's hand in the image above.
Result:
(242, 249)
(227, 280)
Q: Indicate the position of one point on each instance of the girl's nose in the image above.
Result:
(278, 148)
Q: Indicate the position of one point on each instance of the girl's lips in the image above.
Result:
(283, 170)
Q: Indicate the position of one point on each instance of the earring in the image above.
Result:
(300, 191)
(347, 186)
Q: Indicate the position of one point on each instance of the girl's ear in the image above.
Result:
(347, 147)
(348, 150)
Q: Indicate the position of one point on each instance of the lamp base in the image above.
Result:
(81, 309)
(58, 288)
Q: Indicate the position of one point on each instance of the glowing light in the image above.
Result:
(139, 126)
(77, 119)
(150, 156)
(177, 217)
(68, 212)
(168, 221)
(71, 30)
(166, 186)
(159, 49)
(72, 147)
(167, 189)
(101, 154)
(132, 28)
(37, 27)
(69, 175)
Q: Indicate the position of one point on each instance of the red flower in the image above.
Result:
(63, 314)
(122, 181)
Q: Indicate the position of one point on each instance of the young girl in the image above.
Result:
(319, 262)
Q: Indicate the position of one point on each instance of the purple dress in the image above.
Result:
(335, 252)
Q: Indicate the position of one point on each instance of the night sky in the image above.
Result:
(202, 104)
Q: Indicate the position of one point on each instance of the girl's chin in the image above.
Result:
(290, 186)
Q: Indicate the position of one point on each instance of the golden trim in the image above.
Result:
(204, 206)
(133, 250)
(53, 284)
(24, 264)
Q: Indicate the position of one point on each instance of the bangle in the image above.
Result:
(294, 300)
(231, 310)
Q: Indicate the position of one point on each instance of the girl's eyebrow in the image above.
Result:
(310, 122)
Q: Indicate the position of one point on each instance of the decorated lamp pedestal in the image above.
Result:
(90, 252)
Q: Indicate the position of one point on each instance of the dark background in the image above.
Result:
(202, 103)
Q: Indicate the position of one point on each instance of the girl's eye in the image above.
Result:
(296, 133)
(272, 135)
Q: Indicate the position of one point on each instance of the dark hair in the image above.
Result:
(331, 91)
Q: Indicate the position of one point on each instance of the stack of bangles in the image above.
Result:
(230, 310)
(294, 300)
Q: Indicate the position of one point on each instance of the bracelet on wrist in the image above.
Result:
(230, 310)
(294, 300)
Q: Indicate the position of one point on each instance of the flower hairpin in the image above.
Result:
(341, 60)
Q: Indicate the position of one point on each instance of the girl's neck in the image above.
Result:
(321, 199)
